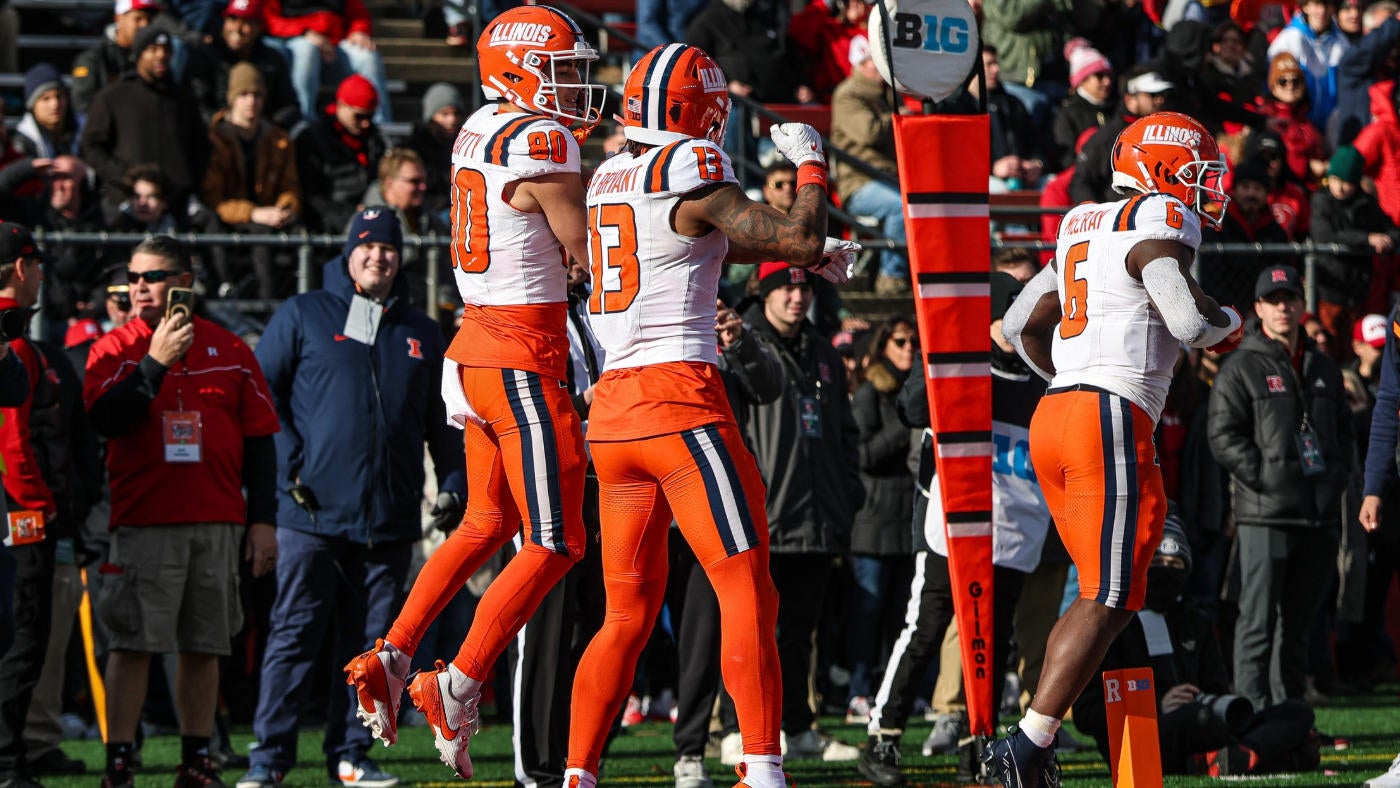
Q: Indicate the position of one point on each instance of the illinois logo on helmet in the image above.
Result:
(1172, 153)
(536, 57)
(675, 92)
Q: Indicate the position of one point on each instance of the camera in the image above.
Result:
(14, 323)
(1233, 711)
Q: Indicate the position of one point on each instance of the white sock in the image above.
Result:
(764, 771)
(462, 686)
(1039, 728)
(585, 780)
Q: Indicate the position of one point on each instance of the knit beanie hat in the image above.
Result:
(772, 276)
(374, 225)
(439, 95)
(1252, 170)
(1346, 165)
(1084, 61)
(39, 80)
(149, 36)
(358, 92)
(1283, 64)
(244, 78)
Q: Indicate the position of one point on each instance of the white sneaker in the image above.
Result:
(731, 749)
(378, 676)
(947, 730)
(453, 721)
(690, 772)
(1391, 778)
(812, 743)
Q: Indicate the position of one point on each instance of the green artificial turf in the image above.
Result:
(643, 755)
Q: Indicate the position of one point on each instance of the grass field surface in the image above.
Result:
(643, 755)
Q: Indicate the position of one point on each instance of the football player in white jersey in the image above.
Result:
(517, 215)
(663, 217)
(1103, 323)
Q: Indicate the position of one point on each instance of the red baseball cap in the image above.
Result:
(136, 5)
(244, 9)
(1371, 330)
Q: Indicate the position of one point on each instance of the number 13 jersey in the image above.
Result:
(509, 267)
(653, 301)
(1110, 335)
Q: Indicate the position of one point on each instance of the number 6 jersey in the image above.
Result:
(1110, 335)
(653, 301)
(509, 267)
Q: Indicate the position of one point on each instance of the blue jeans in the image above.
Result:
(323, 584)
(664, 21)
(308, 71)
(881, 200)
(880, 586)
(456, 11)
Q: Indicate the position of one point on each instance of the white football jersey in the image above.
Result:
(1110, 335)
(654, 290)
(501, 256)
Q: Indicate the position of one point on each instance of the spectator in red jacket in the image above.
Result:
(822, 33)
(1379, 144)
(1287, 104)
(326, 40)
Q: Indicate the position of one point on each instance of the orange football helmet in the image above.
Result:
(536, 57)
(1172, 153)
(675, 92)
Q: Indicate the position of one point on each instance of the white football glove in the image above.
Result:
(800, 143)
(838, 260)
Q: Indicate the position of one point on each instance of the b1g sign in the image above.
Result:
(930, 45)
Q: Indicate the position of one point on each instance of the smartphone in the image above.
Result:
(180, 302)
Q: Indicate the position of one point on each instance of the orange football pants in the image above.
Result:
(708, 479)
(526, 464)
(1094, 456)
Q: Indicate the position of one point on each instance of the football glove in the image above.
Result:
(800, 143)
(1233, 340)
(838, 260)
(447, 511)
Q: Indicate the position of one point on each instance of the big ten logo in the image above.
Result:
(932, 33)
(1113, 688)
(1012, 457)
(977, 644)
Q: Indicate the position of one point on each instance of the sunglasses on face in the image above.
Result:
(362, 117)
(151, 277)
(781, 184)
(1289, 82)
(901, 342)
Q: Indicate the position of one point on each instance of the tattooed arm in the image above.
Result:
(756, 231)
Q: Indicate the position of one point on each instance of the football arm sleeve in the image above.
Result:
(1172, 296)
(1014, 324)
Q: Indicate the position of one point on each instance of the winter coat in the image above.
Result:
(355, 417)
(1302, 141)
(274, 178)
(1093, 171)
(882, 524)
(1363, 65)
(751, 47)
(34, 140)
(813, 483)
(1379, 144)
(1077, 114)
(1320, 56)
(1346, 278)
(334, 19)
(120, 133)
(98, 67)
(334, 176)
(1030, 35)
(1256, 410)
(862, 124)
(207, 76)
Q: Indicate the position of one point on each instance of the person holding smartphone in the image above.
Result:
(189, 422)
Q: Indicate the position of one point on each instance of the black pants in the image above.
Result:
(695, 620)
(1278, 735)
(931, 609)
(24, 661)
(801, 582)
(547, 650)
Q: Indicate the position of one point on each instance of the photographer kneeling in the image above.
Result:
(1202, 728)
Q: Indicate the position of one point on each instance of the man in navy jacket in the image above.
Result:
(355, 373)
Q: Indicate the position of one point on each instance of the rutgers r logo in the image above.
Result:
(1275, 383)
(415, 348)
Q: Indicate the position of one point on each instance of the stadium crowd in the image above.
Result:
(202, 117)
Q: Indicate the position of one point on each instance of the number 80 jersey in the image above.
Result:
(1110, 335)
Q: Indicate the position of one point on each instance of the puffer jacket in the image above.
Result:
(1255, 413)
(882, 524)
(813, 484)
(1379, 144)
